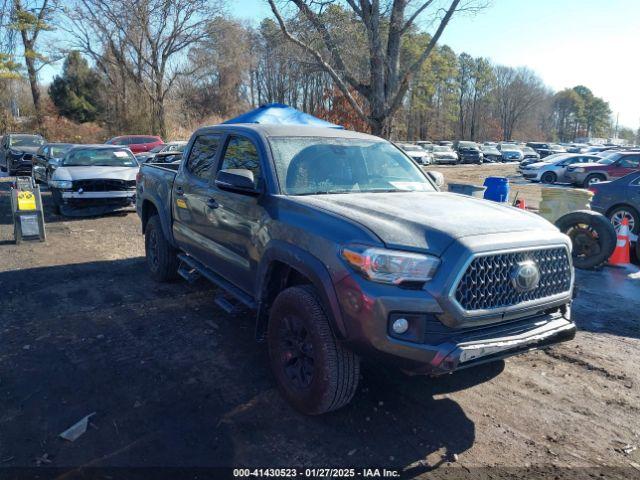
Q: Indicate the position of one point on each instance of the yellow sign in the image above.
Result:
(26, 201)
(181, 203)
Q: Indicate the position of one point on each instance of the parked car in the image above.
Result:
(577, 148)
(17, 151)
(173, 147)
(136, 143)
(531, 161)
(468, 152)
(612, 167)
(530, 153)
(555, 170)
(425, 144)
(417, 153)
(94, 179)
(619, 199)
(345, 248)
(445, 143)
(490, 153)
(510, 152)
(47, 159)
(444, 154)
(546, 149)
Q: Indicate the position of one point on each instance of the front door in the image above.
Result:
(238, 217)
(194, 218)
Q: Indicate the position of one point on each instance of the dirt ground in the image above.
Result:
(176, 382)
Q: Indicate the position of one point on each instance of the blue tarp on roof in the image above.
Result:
(280, 114)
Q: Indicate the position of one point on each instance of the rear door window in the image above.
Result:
(202, 156)
(630, 161)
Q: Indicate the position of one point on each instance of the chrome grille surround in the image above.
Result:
(484, 285)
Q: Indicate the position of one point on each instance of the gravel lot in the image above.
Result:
(176, 382)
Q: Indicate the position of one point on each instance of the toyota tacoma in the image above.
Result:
(344, 248)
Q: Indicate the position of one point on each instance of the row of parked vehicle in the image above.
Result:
(461, 152)
(86, 179)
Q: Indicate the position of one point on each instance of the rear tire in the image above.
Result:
(162, 258)
(313, 371)
(593, 237)
(549, 177)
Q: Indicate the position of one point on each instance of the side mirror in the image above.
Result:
(238, 180)
(437, 177)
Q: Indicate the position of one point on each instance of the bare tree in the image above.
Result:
(518, 91)
(29, 19)
(386, 23)
(148, 39)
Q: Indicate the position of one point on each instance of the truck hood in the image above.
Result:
(426, 221)
(91, 173)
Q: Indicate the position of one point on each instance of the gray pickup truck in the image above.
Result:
(345, 248)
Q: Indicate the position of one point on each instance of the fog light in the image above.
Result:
(400, 326)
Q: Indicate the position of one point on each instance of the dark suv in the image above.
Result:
(343, 247)
(17, 152)
(546, 149)
(469, 152)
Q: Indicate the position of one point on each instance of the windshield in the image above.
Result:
(442, 149)
(310, 165)
(467, 145)
(411, 148)
(610, 159)
(100, 157)
(528, 150)
(509, 148)
(25, 141)
(57, 151)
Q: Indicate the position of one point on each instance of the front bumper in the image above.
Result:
(531, 175)
(437, 348)
(73, 203)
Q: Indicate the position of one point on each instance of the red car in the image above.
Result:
(614, 166)
(137, 143)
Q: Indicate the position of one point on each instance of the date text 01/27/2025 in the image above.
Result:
(315, 473)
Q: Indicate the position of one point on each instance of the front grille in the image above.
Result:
(104, 185)
(486, 284)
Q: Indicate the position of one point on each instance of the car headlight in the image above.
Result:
(61, 184)
(391, 266)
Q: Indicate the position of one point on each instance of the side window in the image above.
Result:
(636, 182)
(630, 161)
(241, 153)
(202, 156)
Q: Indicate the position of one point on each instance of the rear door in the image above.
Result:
(193, 216)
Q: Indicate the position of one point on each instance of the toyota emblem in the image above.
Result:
(526, 276)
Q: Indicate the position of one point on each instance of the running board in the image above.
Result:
(190, 266)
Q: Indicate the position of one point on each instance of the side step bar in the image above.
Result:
(191, 269)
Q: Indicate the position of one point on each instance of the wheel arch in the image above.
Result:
(284, 265)
(150, 208)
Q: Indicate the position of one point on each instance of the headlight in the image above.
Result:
(61, 184)
(391, 266)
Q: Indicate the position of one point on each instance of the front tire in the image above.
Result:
(313, 371)
(162, 258)
(593, 179)
(548, 177)
(631, 214)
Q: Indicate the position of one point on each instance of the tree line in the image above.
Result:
(166, 66)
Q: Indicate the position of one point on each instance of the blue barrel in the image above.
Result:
(497, 189)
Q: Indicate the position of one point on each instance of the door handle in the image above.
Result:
(212, 203)
(179, 191)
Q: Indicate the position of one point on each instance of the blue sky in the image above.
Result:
(567, 42)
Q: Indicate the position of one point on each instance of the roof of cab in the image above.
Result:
(292, 131)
